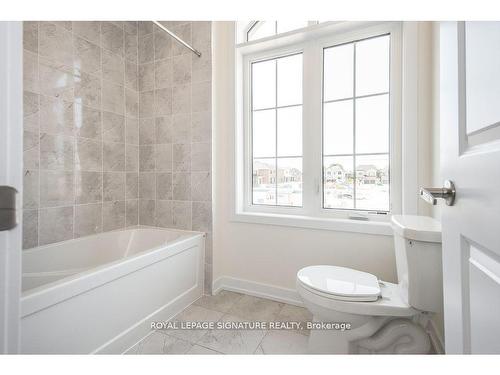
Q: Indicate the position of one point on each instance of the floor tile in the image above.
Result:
(257, 309)
(222, 301)
(194, 314)
(291, 313)
(232, 341)
(284, 342)
(197, 349)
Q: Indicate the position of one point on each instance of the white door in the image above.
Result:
(11, 159)
(470, 157)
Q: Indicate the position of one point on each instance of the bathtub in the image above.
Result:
(98, 294)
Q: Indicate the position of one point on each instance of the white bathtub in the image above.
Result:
(98, 294)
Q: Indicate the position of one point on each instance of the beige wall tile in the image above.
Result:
(145, 27)
(132, 131)
(132, 212)
(131, 103)
(147, 212)
(112, 38)
(113, 157)
(146, 158)
(31, 106)
(201, 155)
(201, 127)
(30, 36)
(113, 67)
(181, 73)
(164, 157)
(56, 116)
(30, 72)
(163, 102)
(146, 77)
(131, 158)
(88, 155)
(164, 186)
(201, 96)
(88, 219)
(87, 56)
(113, 127)
(163, 127)
(87, 121)
(55, 80)
(146, 49)
(147, 185)
(130, 27)
(184, 32)
(56, 188)
(113, 215)
(113, 186)
(131, 75)
(164, 213)
(181, 157)
(163, 73)
(30, 228)
(181, 186)
(132, 186)
(113, 98)
(131, 50)
(146, 104)
(201, 186)
(31, 189)
(88, 187)
(181, 102)
(31, 150)
(181, 215)
(162, 45)
(146, 131)
(202, 216)
(55, 225)
(89, 30)
(55, 43)
(181, 128)
(56, 152)
(88, 90)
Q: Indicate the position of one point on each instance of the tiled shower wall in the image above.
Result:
(175, 129)
(81, 148)
(117, 129)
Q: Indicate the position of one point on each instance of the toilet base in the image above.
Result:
(379, 335)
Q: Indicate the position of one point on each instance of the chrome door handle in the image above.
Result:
(447, 192)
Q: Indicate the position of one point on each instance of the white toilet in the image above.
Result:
(383, 316)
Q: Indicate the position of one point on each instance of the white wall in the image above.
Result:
(273, 254)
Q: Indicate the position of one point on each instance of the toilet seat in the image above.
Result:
(340, 283)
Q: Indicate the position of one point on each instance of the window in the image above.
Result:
(356, 125)
(319, 125)
(277, 131)
(262, 29)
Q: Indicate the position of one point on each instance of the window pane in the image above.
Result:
(284, 26)
(290, 182)
(372, 182)
(290, 131)
(264, 84)
(338, 128)
(372, 66)
(290, 80)
(262, 29)
(264, 181)
(338, 189)
(264, 133)
(338, 72)
(372, 124)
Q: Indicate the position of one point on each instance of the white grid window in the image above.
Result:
(356, 125)
(320, 130)
(276, 119)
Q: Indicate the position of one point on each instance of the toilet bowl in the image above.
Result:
(382, 317)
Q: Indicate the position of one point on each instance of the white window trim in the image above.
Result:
(403, 152)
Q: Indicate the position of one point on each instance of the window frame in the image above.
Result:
(311, 42)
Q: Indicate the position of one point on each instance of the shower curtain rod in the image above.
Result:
(195, 51)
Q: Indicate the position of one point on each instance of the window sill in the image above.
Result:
(340, 225)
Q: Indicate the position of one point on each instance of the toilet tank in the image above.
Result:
(417, 242)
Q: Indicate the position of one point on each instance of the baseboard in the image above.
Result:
(136, 333)
(256, 289)
(436, 338)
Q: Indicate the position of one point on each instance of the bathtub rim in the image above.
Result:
(49, 294)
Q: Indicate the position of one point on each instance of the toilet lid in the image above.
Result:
(341, 283)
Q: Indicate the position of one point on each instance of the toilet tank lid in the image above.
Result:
(417, 228)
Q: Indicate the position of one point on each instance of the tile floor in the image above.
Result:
(230, 306)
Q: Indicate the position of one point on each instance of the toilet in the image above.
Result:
(381, 317)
